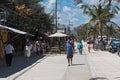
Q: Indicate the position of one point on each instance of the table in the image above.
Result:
(55, 49)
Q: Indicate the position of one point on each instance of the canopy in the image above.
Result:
(14, 30)
(58, 34)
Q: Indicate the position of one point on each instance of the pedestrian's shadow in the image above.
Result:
(18, 64)
(117, 77)
(77, 64)
(99, 78)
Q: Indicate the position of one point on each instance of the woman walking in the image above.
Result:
(27, 52)
(80, 46)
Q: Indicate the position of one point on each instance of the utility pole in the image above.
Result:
(56, 14)
(69, 28)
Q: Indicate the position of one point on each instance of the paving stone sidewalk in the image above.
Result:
(79, 70)
(104, 65)
(97, 65)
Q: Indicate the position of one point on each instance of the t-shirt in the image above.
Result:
(79, 45)
(9, 49)
(69, 48)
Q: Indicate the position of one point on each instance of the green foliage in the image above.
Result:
(29, 16)
(100, 14)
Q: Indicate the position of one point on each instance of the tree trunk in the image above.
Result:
(100, 27)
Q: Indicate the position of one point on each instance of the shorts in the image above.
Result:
(69, 55)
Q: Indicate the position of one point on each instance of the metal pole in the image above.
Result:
(56, 14)
(70, 24)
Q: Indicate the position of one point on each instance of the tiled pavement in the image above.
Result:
(104, 65)
(97, 65)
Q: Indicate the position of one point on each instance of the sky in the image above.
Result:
(69, 13)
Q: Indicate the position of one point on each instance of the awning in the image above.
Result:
(14, 30)
(58, 34)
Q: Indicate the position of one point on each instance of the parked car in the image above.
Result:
(118, 50)
(113, 46)
(108, 43)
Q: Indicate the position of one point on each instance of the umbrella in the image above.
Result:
(58, 34)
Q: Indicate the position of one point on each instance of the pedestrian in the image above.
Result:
(80, 46)
(43, 44)
(72, 43)
(9, 50)
(34, 49)
(89, 42)
(89, 47)
(27, 51)
(31, 46)
(38, 47)
(69, 52)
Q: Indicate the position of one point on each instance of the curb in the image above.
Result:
(27, 69)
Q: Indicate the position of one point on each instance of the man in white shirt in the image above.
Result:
(9, 50)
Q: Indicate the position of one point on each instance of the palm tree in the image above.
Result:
(100, 14)
(97, 14)
(109, 29)
(93, 31)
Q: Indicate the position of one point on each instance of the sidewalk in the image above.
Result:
(104, 65)
(52, 67)
(79, 70)
(97, 65)
(18, 67)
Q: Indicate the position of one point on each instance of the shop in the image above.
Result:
(5, 36)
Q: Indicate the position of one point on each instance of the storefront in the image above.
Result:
(4, 37)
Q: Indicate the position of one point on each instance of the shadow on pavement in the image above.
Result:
(18, 64)
(99, 78)
(117, 77)
(77, 64)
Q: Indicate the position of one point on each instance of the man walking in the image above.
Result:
(9, 50)
(69, 52)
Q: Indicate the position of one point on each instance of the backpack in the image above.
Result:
(79, 45)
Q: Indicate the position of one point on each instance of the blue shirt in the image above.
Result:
(69, 48)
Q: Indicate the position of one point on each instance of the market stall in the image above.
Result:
(59, 44)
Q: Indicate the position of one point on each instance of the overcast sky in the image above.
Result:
(68, 12)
